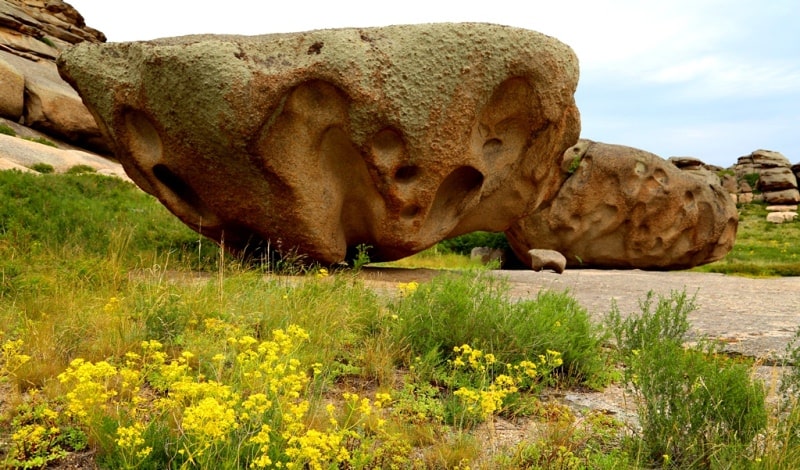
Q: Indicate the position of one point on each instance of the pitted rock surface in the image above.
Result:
(393, 137)
(627, 208)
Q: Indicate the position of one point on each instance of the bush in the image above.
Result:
(474, 308)
(464, 244)
(698, 408)
(752, 180)
(43, 168)
(78, 169)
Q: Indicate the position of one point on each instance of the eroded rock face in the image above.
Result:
(32, 34)
(393, 137)
(627, 208)
(776, 179)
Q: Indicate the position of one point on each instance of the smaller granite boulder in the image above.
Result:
(547, 259)
(626, 208)
(781, 217)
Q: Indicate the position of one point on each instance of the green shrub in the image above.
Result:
(697, 408)
(474, 308)
(464, 244)
(47, 41)
(669, 322)
(78, 169)
(752, 179)
(4, 129)
(44, 168)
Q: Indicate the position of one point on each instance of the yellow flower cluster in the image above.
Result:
(321, 273)
(256, 410)
(486, 399)
(92, 386)
(475, 358)
(132, 444)
(407, 288)
(11, 358)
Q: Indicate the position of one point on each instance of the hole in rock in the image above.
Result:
(406, 173)
(457, 190)
(315, 48)
(180, 190)
(410, 212)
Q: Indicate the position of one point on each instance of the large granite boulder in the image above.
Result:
(620, 207)
(393, 137)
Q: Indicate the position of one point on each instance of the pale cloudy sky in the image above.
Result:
(714, 79)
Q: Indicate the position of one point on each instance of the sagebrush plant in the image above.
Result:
(697, 407)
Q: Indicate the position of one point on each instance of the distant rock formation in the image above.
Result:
(32, 35)
(711, 173)
(395, 137)
(768, 173)
(626, 208)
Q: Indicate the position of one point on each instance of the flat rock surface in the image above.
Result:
(754, 317)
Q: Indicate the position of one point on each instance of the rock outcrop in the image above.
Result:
(768, 173)
(711, 173)
(393, 137)
(627, 208)
(32, 35)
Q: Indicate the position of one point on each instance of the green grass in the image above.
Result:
(762, 249)
(7, 130)
(126, 334)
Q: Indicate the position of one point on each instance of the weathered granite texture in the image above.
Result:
(622, 207)
(393, 137)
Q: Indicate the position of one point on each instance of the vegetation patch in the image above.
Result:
(126, 335)
(762, 249)
(7, 130)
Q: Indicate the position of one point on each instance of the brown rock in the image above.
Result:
(393, 137)
(53, 106)
(786, 196)
(627, 208)
(16, 152)
(782, 208)
(781, 217)
(745, 198)
(32, 34)
(777, 179)
(546, 259)
(12, 84)
(763, 159)
(687, 163)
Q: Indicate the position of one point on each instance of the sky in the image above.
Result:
(711, 79)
